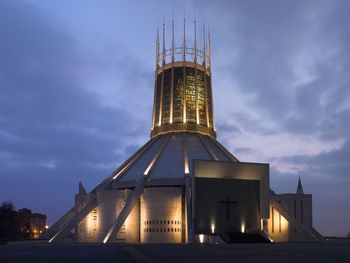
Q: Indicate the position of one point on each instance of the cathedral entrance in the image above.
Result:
(226, 205)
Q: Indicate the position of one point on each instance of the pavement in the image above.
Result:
(330, 251)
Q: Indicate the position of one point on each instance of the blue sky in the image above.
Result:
(76, 91)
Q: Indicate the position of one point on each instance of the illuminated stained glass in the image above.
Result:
(166, 97)
(197, 91)
(178, 95)
(190, 96)
(157, 102)
(201, 94)
(210, 102)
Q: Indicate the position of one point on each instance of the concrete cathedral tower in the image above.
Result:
(183, 186)
(183, 96)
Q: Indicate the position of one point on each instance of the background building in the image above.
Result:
(21, 224)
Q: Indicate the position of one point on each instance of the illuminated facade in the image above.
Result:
(183, 186)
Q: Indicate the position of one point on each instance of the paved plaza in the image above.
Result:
(332, 251)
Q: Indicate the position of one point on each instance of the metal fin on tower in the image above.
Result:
(184, 41)
(209, 50)
(172, 41)
(195, 41)
(164, 51)
(157, 47)
(204, 47)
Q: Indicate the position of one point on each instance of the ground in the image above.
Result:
(332, 251)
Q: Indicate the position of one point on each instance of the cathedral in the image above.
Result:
(183, 186)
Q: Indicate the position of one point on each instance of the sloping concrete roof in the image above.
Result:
(175, 151)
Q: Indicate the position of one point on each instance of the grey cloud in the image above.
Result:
(268, 37)
(243, 150)
(229, 128)
(53, 131)
(332, 166)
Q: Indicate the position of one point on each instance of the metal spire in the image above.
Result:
(163, 60)
(184, 42)
(157, 47)
(172, 41)
(209, 50)
(300, 190)
(195, 41)
(204, 47)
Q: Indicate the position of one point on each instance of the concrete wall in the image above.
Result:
(94, 227)
(108, 209)
(278, 226)
(298, 206)
(132, 225)
(86, 229)
(298, 209)
(161, 215)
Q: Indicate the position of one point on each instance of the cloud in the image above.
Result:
(55, 129)
(281, 76)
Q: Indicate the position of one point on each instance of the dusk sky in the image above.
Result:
(76, 93)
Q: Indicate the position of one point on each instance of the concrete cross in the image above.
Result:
(227, 202)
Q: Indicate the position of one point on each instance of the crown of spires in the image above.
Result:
(299, 188)
(198, 54)
(173, 109)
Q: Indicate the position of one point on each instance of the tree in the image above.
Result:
(7, 206)
(8, 224)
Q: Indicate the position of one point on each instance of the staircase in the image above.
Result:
(239, 237)
(308, 233)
